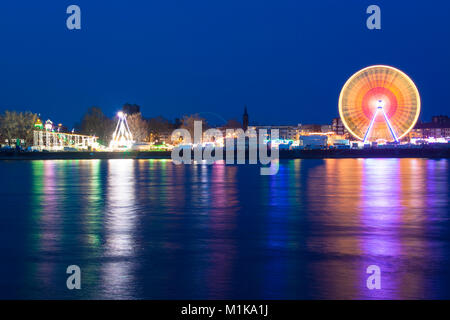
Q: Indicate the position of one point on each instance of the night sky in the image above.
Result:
(287, 60)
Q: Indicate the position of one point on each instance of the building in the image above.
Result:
(55, 141)
(284, 132)
(439, 127)
(337, 126)
(49, 125)
(61, 128)
(310, 128)
(442, 120)
(39, 125)
(325, 128)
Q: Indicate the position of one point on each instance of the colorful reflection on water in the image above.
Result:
(151, 229)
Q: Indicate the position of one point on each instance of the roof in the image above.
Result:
(432, 125)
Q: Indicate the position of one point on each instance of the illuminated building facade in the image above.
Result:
(439, 127)
(310, 128)
(284, 132)
(56, 141)
(338, 127)
(38, 125)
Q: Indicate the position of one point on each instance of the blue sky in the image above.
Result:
(287, 60)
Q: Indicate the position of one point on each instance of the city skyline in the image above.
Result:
(175, 60)
(220, 121)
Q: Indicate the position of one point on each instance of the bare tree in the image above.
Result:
(18, 125)
(232, 124)
(138, 127)
(188, 123)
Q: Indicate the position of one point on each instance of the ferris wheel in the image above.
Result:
(379, 103)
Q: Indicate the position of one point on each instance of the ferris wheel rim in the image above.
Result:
(403, 74)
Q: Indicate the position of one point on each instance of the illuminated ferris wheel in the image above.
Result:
(379, 103)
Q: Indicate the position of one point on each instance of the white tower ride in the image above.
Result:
(122, 137)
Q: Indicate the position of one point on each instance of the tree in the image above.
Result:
(130, 109)
(232, 124)
(96, 123)
(15, 125)
(2, 137)
(159, 127)
(138, 127)
(188, 123)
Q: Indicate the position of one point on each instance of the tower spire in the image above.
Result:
(245, 119)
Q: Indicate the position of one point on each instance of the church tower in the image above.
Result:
(245, 119)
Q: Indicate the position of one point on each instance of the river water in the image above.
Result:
(149, 229)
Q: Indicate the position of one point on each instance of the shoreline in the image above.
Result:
(433, 153)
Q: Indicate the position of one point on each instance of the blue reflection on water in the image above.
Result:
(150, 229)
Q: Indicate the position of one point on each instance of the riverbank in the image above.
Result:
(425, 152)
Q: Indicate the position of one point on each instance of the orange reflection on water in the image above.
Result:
(370, 212)
(333, 196)
(148, 228)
